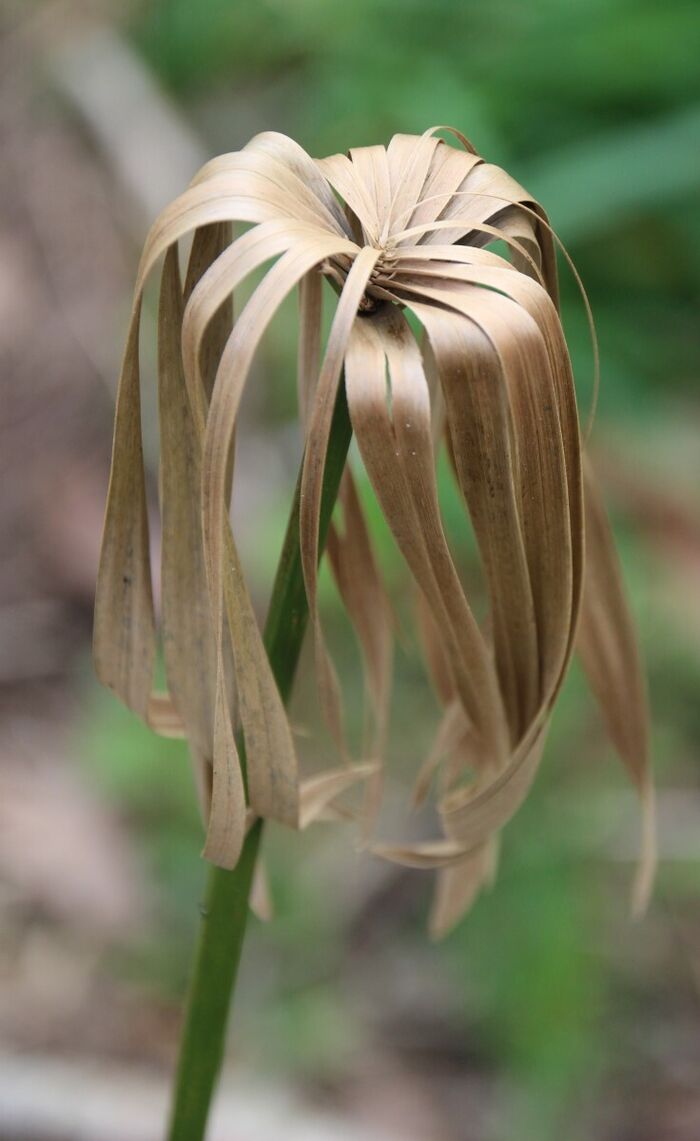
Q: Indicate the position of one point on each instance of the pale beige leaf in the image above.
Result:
(609, 651)
(318, 792)
(187, 633)
(457, 887)
(227, 818)
(124, 625)
(402, 226)
(312, 474)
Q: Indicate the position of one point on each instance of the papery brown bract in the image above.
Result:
(395, 229)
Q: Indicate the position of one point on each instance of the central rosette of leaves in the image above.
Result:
(378, 284)
(404, 229)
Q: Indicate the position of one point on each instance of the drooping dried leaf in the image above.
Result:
(610, 656)
(395, 229)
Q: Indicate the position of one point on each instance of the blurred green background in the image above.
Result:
(547, 1014)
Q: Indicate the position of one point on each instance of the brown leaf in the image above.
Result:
(402, 227)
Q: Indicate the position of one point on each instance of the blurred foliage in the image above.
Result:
(595, 106)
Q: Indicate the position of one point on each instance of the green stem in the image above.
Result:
(225, 909)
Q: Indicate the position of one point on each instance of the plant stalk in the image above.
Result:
(225, 909)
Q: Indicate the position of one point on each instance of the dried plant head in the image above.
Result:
(397, 230)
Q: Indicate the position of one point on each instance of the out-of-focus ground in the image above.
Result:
(547, 1014)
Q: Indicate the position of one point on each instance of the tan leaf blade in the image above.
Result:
(608, 647)
(124, 626)
(405, 226)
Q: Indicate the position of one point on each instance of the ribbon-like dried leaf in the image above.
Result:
(393, 229)
(610, 656)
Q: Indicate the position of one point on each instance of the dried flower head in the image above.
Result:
(396, 230)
